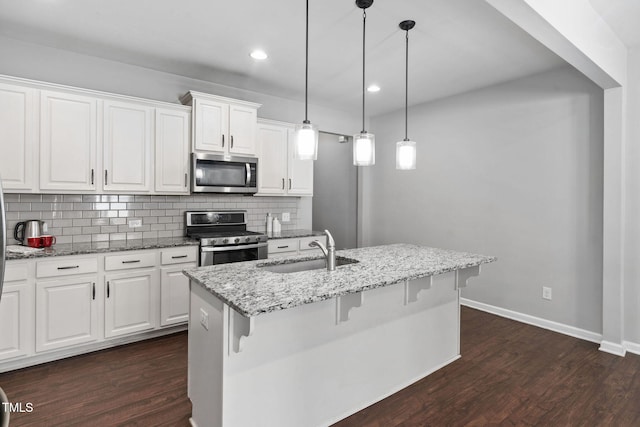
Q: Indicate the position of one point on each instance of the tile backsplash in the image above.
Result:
(75, 218)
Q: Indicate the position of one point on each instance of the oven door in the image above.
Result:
(212, 173)
(210, 255)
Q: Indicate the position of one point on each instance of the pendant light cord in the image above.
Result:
(306, 68)
(364, 24)
(406, 89)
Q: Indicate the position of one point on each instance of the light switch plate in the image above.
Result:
(135, 223)
(286, 217)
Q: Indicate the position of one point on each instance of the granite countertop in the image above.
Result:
(101, 247)
(292, 234)
(252, 291)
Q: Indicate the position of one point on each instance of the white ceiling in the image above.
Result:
(456, 46)
(622, 16)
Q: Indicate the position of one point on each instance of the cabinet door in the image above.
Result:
(211, 125)
(174, 295)
(16, 317)
(18, 124)
(272, 165)
(68, 142)
(66, 313)
(172, 151)
(300, 172)
(131, 302)
(242, 130)
(127, 147)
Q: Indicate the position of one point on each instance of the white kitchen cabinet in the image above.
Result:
(172, 151)
(279, 172)
(68, 142)
(279, 248)
(128, 136)
(16, 312)
(174, 286)
(131, 302)
(66, 312)
(222, 125)
(18, 137)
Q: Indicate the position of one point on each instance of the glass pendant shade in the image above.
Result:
(364, 149)
(406, 155)
(306, 141)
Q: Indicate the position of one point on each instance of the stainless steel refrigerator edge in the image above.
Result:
(3, 238)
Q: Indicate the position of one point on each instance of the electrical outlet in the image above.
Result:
(135, 223)
(546, 293)
(286, 217)
(204, 319)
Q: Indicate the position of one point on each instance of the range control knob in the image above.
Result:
(247, 239)
(225, 241)
(213, 242)
(237, 240)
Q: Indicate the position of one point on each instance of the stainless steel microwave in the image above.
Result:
(215, 173)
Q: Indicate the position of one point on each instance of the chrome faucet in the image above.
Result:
(329, 251)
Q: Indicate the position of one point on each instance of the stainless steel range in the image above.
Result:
(224, 237)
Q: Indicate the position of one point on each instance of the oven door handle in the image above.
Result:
(231, 248)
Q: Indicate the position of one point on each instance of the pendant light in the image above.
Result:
(406, 149)
(306, 133)
(364, 148)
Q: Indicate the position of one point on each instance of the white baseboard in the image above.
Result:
(536, 321)
(613, 348)
(632, 347)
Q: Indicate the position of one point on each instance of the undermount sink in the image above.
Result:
(306, 265)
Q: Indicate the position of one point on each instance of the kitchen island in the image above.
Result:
(310, 347)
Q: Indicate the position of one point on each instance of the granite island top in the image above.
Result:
(252, 290)
(293, 234)
(102, 247)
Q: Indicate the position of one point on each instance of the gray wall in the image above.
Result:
(632, 242)
(335, 190)
(514, 170)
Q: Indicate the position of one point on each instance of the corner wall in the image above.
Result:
(514, 170)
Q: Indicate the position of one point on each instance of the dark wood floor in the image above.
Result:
(510, 374)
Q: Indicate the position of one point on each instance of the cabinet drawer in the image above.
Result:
(178, 255)
(66, 267)
(15, 272)
(283, 245)
(304, 242)
(130, 260)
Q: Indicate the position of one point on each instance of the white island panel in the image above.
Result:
(298, 367)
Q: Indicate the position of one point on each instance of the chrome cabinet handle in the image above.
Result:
(93, 291)
(107, 289)
(91, 176)
(106, 172)
(68, 267)
(223, 140)
(283, 247)
(178, 256)
(289, 183)
(283, 183)
(231, 141)
(185, 180)
(131, 261)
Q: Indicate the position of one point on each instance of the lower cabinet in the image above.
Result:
(66, 312)
(16, 313)
(131, 301)
(281, 248)
(57, 306)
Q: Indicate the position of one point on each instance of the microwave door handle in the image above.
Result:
(248, 168)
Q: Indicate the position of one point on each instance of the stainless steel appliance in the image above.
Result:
(213, 173)
(224, 237)
(4, 414)
(26, 229)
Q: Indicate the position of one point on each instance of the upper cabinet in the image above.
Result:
(18, 136)
(279, 172)
(172, 151)
(128, 134)
(222, 125)
(68, 142)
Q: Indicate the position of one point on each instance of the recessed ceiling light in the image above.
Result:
(258, 54)
(373, 88)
